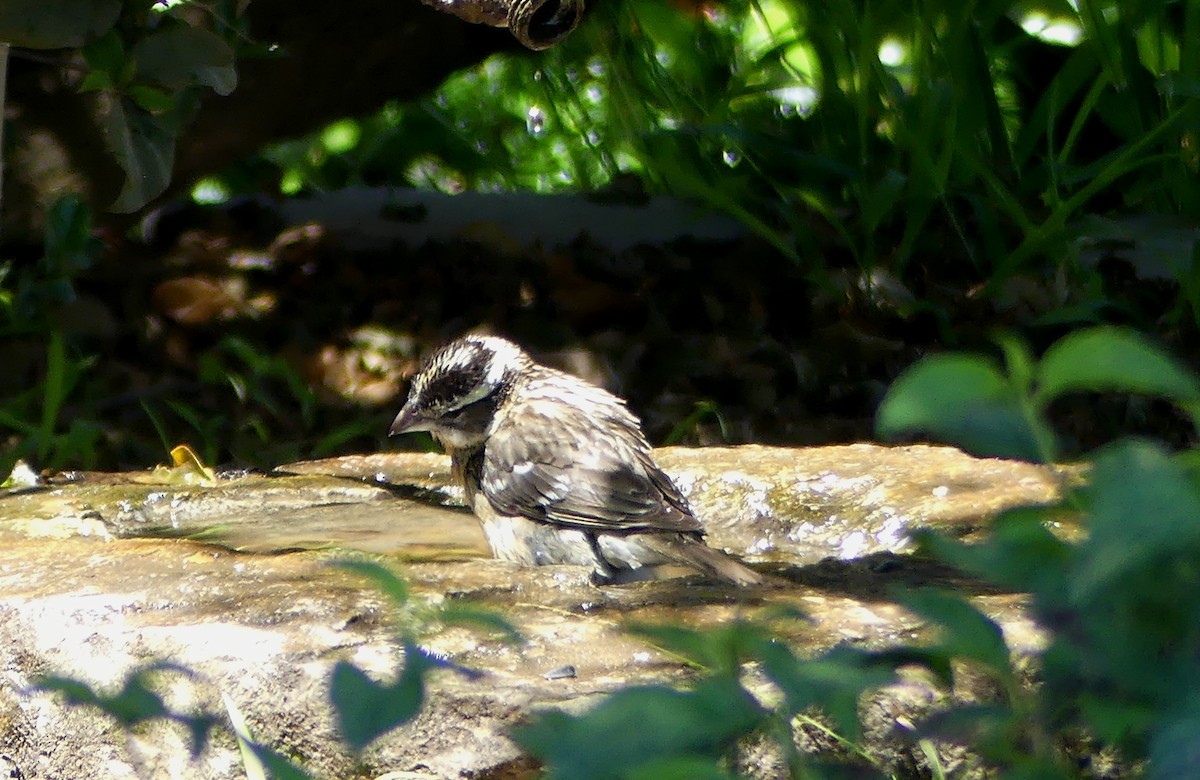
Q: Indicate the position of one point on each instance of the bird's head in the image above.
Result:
(455, 394)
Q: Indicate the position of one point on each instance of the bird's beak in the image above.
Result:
(407, 422)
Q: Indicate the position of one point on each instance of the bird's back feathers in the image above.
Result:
(546, 461)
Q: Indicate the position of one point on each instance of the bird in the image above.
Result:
(556, 469)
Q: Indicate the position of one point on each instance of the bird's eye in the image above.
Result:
(471, 411)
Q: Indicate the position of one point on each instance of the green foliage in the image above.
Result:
(150, 65)
(29, 307)
(57, 24)
(259, 762)
(960, 398)
(137, 702)
(692, 729)
(29, 295)
(1120, 607)
(34, 416)
(935, 131)
(367, 709)
(789, 116)
(259, 400)
(686, 428)
(968, 401)
(660, 731)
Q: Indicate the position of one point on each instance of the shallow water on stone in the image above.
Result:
(234, 581)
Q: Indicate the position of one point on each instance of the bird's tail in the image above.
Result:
(693, 552)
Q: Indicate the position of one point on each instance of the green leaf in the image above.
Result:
(961, 399)
(136, 702)
(105, 55)
(74, 691)
(1114, 720)
(55, 24)
(968, 633)
(1175, 744)
(1110, 359)
(476, 617)
(278, 767)
(883, 198)
(180, 56)
(1145, 509)
(1019, 553)
(145, 150)
(965, 722)
(641, 727)
(251, 764)
(833, 682)
(151, 99)
(258, 762)
(367, 709)
(97, 81)
(1018, 361)
(70, 245)
(714, 649)
(392, 586)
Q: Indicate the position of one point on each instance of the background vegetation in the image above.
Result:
(916, 177)
(923, 173)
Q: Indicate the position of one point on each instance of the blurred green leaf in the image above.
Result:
(1019, 552)
(458, 614)
(54, 391)
(259, 763)
(681, 768)
(97, 82)
(366, 709)
(392, 586)
(641, 727)
(717, 650)
(70, 246)
(960, 399)
(106, 55)
(144, 148)
(278, 767)
(179, 56)
(152, 100)
(1109, 359)
(1115, 719)
(966, 723)
(1175, 743)
(694, 646)
(832, 682)
(1145, 507)
(55, 24)
(967, 633)
(136, 702)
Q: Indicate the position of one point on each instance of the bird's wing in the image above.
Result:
(553, 463)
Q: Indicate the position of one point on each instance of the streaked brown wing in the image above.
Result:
(558, 465)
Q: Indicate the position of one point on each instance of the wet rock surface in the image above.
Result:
(234, 582)
(796, 505)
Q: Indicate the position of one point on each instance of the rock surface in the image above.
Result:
(233, 582)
